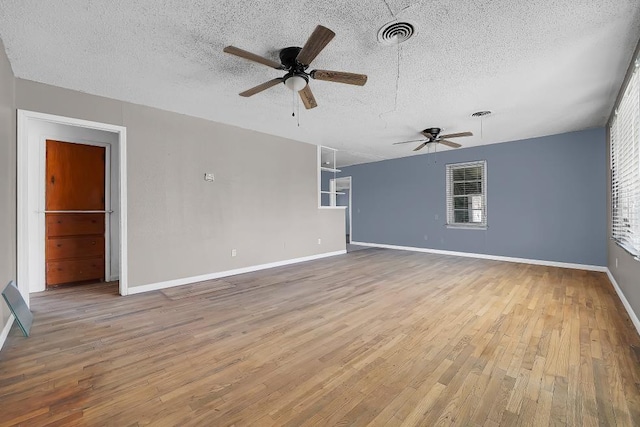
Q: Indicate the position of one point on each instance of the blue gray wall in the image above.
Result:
(546, 200)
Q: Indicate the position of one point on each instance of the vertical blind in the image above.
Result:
(466, 194)
(624, 135)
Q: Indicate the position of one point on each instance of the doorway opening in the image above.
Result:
(65, 224)
(77, 227)
(341, 193)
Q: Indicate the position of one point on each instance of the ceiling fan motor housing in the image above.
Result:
(288, 59)
(434, 132)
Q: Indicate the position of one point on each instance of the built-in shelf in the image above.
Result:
(327, 175)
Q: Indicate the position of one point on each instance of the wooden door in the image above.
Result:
(75, 213)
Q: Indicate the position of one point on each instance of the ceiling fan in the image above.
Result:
(433, 135)
(295, 61)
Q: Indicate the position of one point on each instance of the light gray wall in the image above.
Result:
(626, 271)
(546, 200)
(263, 202)
(627, 274)
(7, 179)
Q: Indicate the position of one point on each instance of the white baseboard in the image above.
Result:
(625, 302)
(485, 256)
(5, 331)
(218, 275)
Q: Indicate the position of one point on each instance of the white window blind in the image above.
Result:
(625, 168)
(467, 194)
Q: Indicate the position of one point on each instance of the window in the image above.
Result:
(467, 194)
(624, 133)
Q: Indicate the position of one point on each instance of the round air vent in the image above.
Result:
(395, 32)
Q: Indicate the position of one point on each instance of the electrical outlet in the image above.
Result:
(234, 252)
(209, 177)
(319, 241)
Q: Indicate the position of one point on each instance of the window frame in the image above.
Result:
(449, 200)
(624, 165)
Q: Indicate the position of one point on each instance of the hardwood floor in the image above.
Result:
(374, 337)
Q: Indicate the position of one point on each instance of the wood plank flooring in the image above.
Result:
(374, 337)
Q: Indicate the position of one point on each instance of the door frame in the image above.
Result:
(333, 186)
(31, 232)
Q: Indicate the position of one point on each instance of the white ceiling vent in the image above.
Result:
(395, 32)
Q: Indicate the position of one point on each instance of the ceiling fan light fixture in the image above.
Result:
(296, 82)
(294, 61)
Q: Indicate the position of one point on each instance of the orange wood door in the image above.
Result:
(75, 242)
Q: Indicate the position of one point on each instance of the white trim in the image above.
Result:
(461, 226)
(491, 257)
(350, 209)
(332, 192)
(348, 179)
(123, 278)
(220, 274)
(23, 162)
(449, 200)
(625, 302)
(319, 174)
(5, 331)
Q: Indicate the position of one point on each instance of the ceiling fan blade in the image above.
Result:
(320, 37)
(339, 77)
(252, 57)
(456, 135)
(260, 88)
(307, 97)
(449, 143)
(406, 142)
(421, 146)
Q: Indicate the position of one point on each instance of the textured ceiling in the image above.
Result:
(542, 66)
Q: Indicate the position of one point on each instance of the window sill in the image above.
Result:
(627, 249)
(332, 207)
(467, 227)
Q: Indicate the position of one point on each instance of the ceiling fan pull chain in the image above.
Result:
(298, 108)
(293, 103)
(435, 153)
